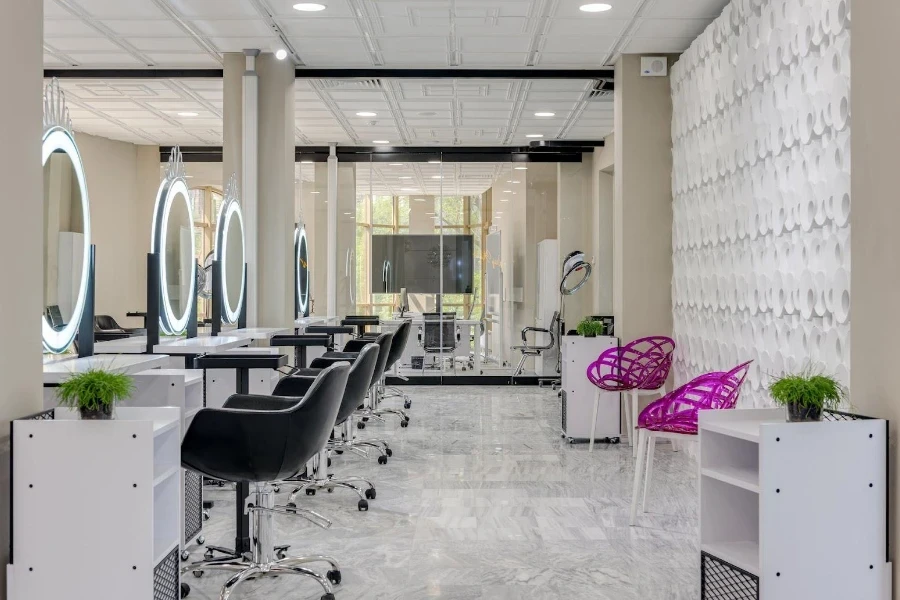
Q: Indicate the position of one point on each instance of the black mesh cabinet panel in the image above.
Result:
(720, 580)
(193, 505)
(166, 585)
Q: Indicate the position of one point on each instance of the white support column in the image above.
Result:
(21, 233)
(332, 230)
(250, 181)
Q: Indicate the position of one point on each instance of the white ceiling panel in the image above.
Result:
(120, 9)
(222, 9)
(660, 45)
(671, 28)
(252, 27)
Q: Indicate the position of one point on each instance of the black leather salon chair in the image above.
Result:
(398, 345)
(259, 440)
(317, 477)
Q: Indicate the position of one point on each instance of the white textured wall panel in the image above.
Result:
(761, 186)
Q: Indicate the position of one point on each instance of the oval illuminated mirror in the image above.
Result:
(66, 226)
(172, 239)
(301, 274)
(231, 253)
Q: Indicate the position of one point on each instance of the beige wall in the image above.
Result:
(642, 257)
(575, 228)
(21, 36)
(122, 180)
(875, 245)
(602, 236)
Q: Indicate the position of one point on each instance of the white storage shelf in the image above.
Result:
(800, 506)
(124, 505)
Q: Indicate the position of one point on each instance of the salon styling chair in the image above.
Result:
(398, 345)
(534, 348)
(107, 324)
(317, 477)
(364, 410)
(260, 440)
(439, 335)
(55, 318)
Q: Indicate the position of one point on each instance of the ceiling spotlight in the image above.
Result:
(595, 7)
(396, 164)
(408, 190)
(535, 135)
(281, 54)
(305, 162)
(434, 162)
(380, 142)
(317, 193)
(309, 7)
(405, 177)
(521, 168)
(366, 114)
(513, 182)
(437, 176)
(187, 114)
(507, 191)
(504, 199)
(545, 114)
(419, 199)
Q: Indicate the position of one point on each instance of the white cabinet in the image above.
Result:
(96, 506)
(578, 392)
(799, 508)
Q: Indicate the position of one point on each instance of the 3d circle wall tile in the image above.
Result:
(761, 186)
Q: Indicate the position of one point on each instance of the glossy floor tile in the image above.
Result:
(484, 500)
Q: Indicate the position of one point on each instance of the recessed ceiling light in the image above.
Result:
(281, 54)
(348, 213)
(305, 162)
(595, 7)
(434, 162)
(545, 114)
(309, 6)
(408, 190)
(419, 199)
(396, 164)
(317, 193)
(380, 142)
(504, 199)
(437, 176)
(366, 114)
(187, 114)
(507, 191)
(535, 135)
(521, 168)
(405, 177)
(514, 182)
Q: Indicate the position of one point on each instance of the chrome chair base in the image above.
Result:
(267, 559)
(318, 479)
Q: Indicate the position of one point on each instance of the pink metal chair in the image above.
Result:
(639, 368)
(675, 415)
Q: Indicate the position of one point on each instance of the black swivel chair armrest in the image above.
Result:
(355, 346)
(328, 329)
(331, 358)
(295, 386)
(525, 331)
(255, 402)
(302, 340)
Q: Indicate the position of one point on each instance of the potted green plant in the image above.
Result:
(806, 394)
(95, 392)
(590, 328)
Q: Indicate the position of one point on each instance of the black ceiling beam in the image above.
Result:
(133, 73)
(520, 73)
(566, 144)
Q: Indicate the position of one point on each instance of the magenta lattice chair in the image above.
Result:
(636, 369)
(675, 415)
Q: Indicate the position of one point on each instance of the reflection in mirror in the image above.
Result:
(63, 239)
(301, 251)
(178, 254)
(234, 265)
(231, 254)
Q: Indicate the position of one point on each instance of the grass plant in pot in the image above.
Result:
(807, 394)
(590, 328)
(95, 392)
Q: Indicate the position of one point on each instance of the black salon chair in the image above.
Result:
(358, 383)
(106, 324)
(54, 317)
(258, 440)
(401, 337)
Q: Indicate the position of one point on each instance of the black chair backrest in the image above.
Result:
(105, 323)
(439, 333)
(359, 381)
(54, 315)
(398, 344)
(269, 442)
(384, 341)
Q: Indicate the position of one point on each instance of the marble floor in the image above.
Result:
(483, 499)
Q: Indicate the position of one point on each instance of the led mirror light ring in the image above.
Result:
(170, 323)
(55, 139)
(226, 212)
(302, 249)
(579, 266)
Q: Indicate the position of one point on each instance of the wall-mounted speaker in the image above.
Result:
(654, 66)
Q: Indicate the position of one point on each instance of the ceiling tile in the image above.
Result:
(705, 9)
(670, 28)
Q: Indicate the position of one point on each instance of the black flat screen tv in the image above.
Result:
(415, 262)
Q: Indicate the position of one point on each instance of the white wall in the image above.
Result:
(122, 181)
(602, 197)
(761, 193)
(575, 228)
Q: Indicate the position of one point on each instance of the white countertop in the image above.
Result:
(418, 319)
(306, 321)
(130, 345)
(258, 333)
(58, 371)
(201, 345)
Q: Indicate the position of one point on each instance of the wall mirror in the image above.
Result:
(231, 253)
(172, 239)
(67, 226)
(301, 274)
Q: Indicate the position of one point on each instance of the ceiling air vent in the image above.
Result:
(601, 91)
(366, 84)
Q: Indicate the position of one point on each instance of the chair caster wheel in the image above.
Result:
(365, 419)
(328, 597)
(370, 493)
(330, 490)
(388, 451)
(201, 540)
(310, 492)
(334, 577)
(404, 423)
(407, 405)
(382, 460)
(276, 488)
(615, 441)
(208, 555)
(185, 590)
(198, 574)
(185, 555)
(206, 515)
(339, 452)
(281, 555)
(291, 505)
(360, 425)
(362, 505)
(329, 461)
